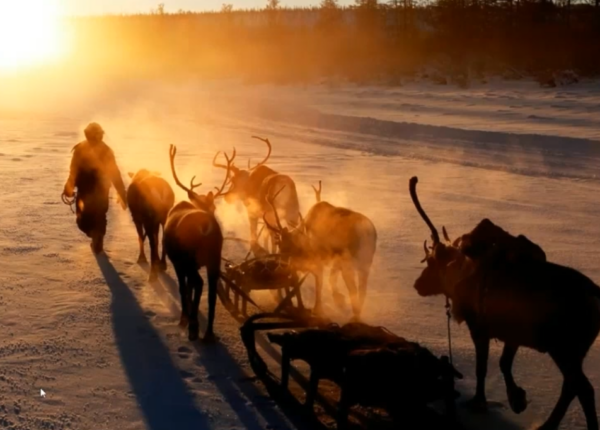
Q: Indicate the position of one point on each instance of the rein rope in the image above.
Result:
(69, 202)
(449, 317)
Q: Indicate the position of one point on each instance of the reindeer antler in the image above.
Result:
(270, 201)
(426, 252)
(268, 153)
(412, 186)
(445, 233)
(172, 152)
(317, 192)
(229, 166)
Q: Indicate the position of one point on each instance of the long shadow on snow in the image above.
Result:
(225, 372)
(163, 398)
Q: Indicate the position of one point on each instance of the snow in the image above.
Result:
(103, 343)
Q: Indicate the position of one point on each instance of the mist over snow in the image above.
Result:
(105, 347)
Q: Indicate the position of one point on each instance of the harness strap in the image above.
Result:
(449, 316)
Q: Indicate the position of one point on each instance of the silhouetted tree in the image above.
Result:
(330, 14)
(273, 4)
(160, 9)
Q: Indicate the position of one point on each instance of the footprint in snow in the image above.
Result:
(184, 352)
(185, 374)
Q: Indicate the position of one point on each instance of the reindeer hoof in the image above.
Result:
(517, 399)
(183, 321)
(210, 337)
(142, 259)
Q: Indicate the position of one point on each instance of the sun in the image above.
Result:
(30, 34)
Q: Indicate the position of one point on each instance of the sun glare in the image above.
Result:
(30, 34)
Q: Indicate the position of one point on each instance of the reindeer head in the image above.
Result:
(142, 174)
(238, 178)
(294, 242)
(291, 242)
(204, 202)
(445, 263)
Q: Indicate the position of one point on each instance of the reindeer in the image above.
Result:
(150, 198)
(193, 239)
(331, 234)
(252, 187)
(527, 302)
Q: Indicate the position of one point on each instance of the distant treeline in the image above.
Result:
(366, 42)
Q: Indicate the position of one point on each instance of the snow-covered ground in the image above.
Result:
(103, 343)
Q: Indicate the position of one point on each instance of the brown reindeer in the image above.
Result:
(253, 187)
(193, 239)
(331, 235)
(150, 198)
(526, 302)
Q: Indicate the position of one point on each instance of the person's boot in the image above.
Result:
(97, 244)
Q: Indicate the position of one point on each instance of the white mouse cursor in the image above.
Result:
(42, 393)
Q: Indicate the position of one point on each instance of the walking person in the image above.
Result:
(93, 171)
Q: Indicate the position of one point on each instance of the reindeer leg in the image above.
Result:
(349, 278)
(213, 274)
(363, 280)
(298, 287)
(253, 227)
(154, 259)
(572, 375)
(318, 274)
(273, 243)
(587, 399)
(575, 383)
(183, 292)
(482, 351)
(338, 298)
(196, 285)
(517, 397)
(163, 259)
(140, 232)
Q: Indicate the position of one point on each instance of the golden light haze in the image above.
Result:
(31, 34)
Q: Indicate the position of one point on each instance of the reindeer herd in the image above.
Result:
(500, 285)
(192, 236)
